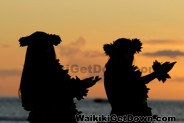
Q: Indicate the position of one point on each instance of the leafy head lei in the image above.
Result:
(123, 45)
(40, 38)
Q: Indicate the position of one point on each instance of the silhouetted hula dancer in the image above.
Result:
(125, 87)
(46, 89)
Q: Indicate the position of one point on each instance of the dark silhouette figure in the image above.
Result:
(125, 87)
(46, 89)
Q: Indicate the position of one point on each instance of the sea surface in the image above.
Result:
(12, 112)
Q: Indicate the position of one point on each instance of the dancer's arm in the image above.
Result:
(160, 72)
(148, 78)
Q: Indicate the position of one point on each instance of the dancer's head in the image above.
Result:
(40, 46)
(39, 58)
(123, 49)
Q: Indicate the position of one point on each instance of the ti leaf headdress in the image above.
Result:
(40, 38)
(123, 44)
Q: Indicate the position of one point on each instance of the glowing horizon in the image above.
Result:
(91, 24)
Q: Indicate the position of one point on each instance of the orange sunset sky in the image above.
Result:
(84, 27)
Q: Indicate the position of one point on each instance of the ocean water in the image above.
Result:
(12, 112)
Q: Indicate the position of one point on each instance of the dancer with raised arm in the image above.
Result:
(47, 91)
(125, 87)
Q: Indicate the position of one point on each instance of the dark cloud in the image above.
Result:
(72, 48)
(93, 54)
(5, 45)
(79, 42)
(167, 53)
(9, 72)
(160, 42)
(75, 48)
(178, 79)
(67, 51)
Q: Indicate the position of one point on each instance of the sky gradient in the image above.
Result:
(84, 27)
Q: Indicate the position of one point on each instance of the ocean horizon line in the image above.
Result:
(103, 98)
(153, 99)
